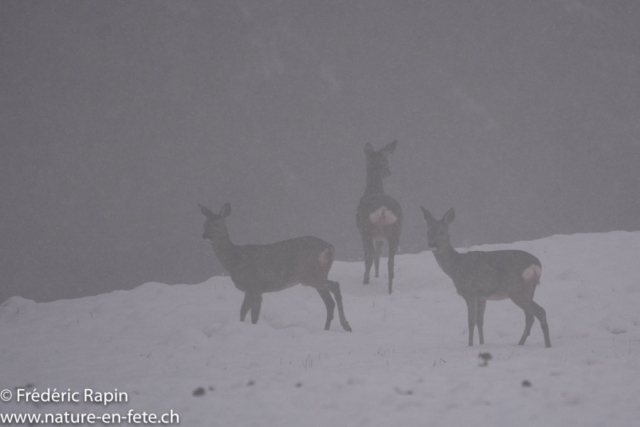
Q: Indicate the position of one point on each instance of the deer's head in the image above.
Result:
(215, 226)
(378, 161)
(438, 230)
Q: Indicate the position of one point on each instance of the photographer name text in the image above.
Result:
(53, 395)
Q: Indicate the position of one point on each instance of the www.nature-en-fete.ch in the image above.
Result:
(53, 396)
(69, 418)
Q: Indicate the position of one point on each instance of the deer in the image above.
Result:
(257, 269)
(479, 276)
(379, 216)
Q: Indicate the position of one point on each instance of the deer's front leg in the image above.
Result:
(472, 311)
(256, 303)
(482, 304)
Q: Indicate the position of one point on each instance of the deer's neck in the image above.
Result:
(226, 252)
(374, 184)
(447, 258)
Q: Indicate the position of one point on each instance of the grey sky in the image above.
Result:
(118, 117)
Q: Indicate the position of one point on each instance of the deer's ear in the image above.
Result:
(225, 211)
(388, 149)
(427, 215)
(449, 216)
(368, 149)
(205, 211)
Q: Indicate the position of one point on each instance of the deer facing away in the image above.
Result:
(256, 269)
(379, 216)
(488, 275)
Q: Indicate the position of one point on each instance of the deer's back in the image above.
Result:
(510, 260)
(276, 266)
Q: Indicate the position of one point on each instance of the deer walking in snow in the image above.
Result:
(492, 275)
(256, 269)
(379, 216)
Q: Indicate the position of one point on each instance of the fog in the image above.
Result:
(118, 117)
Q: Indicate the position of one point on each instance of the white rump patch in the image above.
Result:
(533, 271)
(325, 257)
(382, 216)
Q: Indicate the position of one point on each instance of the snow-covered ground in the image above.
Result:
(182, 348)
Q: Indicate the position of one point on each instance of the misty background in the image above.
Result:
(118, 117)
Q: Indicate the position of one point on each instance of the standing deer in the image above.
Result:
(379, 216)
(492, 275)
(256, 269)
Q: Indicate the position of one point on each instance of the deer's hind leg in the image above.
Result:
(326, 289)
(376, 256)
(367, 243)
(329, 304)
(393, 243)
(541, 314)
(531, 310)
(528, 323)
(246, 305)
(334, 287)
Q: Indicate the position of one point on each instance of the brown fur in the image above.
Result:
(257, 269)
(379, 216)
(492, 275)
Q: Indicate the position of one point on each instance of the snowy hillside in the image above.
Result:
(181, 348)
